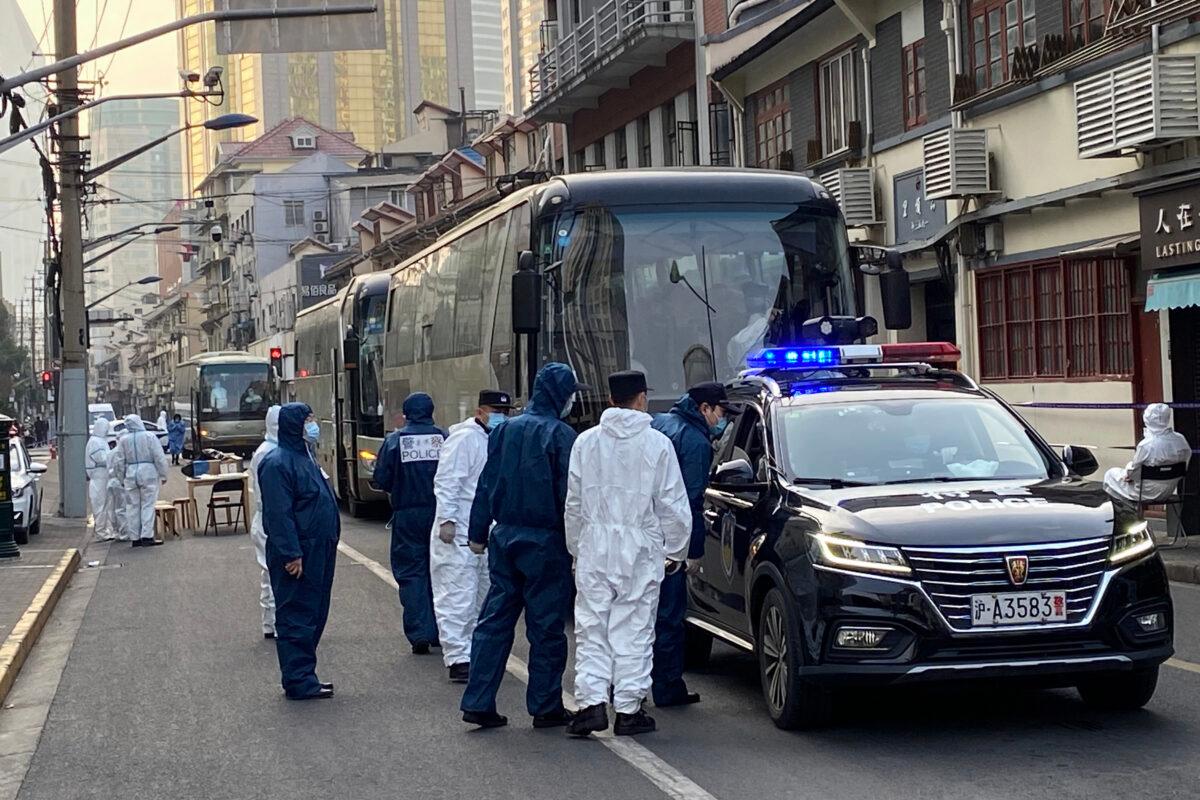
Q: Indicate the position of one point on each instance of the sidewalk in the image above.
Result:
(22, 578)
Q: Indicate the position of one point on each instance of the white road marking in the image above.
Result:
(1179, 663)
(671, 781)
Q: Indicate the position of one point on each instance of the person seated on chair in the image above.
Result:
(1160, 447)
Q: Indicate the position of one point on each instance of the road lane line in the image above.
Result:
(1179, 663)
(669, 780)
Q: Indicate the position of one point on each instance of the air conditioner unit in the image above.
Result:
(320, 216)
(1140, 104)
(956, 164)
(854, 192)
(320, 227)
(323, 238)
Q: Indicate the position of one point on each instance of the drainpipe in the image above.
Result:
(868, 134)
(736, 155)
(953, 51)
(964, 328)
(703, 134)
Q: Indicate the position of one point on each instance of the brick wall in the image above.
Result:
(937, 63)
(887, 79)
(649, 88)
(716, 15)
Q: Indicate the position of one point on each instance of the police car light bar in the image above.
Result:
(939, 353)
(813, 357)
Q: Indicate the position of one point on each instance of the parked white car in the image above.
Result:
(118, 427)
(26, 491)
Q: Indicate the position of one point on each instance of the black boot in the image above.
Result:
(460, 673)
(485, 719)
(421, 649)
(633, 724)
(684, 699)
(555, 719)
(592, 719)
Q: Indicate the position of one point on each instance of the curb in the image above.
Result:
(25, 634)
(1183, 573)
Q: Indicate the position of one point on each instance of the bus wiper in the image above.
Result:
(677, 276)
(832, 483)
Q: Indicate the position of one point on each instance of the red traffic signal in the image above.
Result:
(276, 353)
(47, 379)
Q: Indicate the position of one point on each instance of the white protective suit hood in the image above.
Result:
(100, 428)
(623, 423)
(1157, 419)
(272, 425)
(134, 424)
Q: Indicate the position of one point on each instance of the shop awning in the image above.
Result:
(1113, 246)
(1173, 290)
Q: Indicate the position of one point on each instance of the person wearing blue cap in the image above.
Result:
(406, 466)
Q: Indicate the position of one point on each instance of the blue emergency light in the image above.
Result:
(814, 357)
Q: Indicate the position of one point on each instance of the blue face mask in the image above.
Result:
(312, 431)
(494, 419)
(719, 428)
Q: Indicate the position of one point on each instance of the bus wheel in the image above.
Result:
(355, 508)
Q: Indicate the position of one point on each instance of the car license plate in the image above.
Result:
(1018, 608)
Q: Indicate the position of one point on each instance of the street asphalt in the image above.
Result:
(169, 691)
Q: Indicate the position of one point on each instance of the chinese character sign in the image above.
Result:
(916, 216)
(1169, 230)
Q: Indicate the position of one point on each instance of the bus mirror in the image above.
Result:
(894, 291)
(350, 349)
(526, 296)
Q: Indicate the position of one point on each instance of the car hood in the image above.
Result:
(975, 513)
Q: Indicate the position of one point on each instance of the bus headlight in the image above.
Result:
(1135, 542)
(367, 459)
(838, 551)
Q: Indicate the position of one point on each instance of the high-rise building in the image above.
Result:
(145, 186)
(520, 26)
(433, 48)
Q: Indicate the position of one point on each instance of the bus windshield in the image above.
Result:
(685, 293)
(235, 391)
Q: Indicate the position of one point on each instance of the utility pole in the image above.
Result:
(33, 370)
(72, 391)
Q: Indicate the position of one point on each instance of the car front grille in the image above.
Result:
(950, 575)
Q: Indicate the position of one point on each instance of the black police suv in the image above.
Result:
(878, 523)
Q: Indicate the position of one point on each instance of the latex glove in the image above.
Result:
(446, 532)
(478, 548)
(295, 568)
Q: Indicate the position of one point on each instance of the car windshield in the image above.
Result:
(95, 415)
(15, 459)
(235, 391)
(907, 441)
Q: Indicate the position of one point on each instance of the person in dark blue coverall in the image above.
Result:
(300, 518)
(405, 469)
(523, 489)
(691, 425)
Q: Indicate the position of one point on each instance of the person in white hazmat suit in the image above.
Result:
(115, 506)
(627, 514)
(96, 463)
(258, 535)
(141, 465)
(460, 577)
(1160, 447)
(162, 421)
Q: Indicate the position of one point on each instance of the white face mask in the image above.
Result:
(567, 407)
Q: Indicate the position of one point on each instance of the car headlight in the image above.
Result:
(1135, 542)
(838, 551)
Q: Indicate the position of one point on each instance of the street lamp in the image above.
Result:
(145, 281)
(131, 240)
(221, 123)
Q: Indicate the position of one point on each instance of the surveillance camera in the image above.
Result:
(217, 234)
(213, 77)
(189, 77)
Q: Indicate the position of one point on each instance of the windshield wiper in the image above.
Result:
(832, 483)
(939, 479)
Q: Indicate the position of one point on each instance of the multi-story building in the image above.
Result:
(144, 190)
(521, 41)
(262, 197)
(173, 335)
(1036, 161)
(433, 48)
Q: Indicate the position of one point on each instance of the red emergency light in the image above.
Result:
(940, 353)
(276, 353)
(303, 373)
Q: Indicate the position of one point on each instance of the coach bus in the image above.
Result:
(678, 273)
(223, 399)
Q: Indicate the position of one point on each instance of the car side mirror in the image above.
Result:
(1080, 460)
(37, 468)
(737, 472)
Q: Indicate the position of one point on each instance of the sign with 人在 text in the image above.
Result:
(425, 447)
(917, 218)
(1170, 228)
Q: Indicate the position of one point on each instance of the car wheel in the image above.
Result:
(21, 535)
(792, 702)
(1119, 691)
(35, 528)
(697, 647)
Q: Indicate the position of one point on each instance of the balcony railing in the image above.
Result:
(610, 25)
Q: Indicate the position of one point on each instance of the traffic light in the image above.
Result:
(47, 379)
(277, 361)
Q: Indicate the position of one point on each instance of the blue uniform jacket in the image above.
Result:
(409, 481)
(175, 433)
(685, 426)
(524, 483)
(299, 509)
